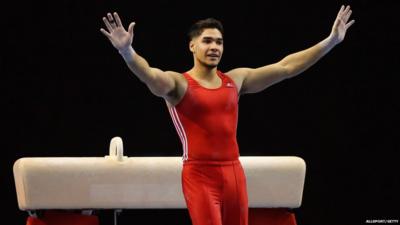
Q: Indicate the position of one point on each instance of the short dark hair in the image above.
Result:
(197, 28)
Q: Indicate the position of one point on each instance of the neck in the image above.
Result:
(203, 72)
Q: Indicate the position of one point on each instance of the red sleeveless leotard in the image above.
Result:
(213, 180)
(206, 120)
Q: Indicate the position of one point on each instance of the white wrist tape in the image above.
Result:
(127, 52)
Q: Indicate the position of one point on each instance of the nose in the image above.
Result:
(214, 46)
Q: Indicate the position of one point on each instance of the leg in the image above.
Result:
(202, 187)
(235, 201)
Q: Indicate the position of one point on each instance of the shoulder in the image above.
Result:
(175, 75)
(238, 75)
(179, 90)
(178, 78)
(238, 72)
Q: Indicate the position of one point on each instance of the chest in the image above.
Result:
(211, 101)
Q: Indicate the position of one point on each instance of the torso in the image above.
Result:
(205, 118)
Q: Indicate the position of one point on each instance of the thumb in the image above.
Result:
(130, 28)
(105, 33)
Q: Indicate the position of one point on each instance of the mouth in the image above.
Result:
(213, 55)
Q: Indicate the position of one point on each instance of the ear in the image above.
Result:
(191, 46)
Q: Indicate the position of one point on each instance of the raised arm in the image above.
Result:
(254, 80)
(160, 83)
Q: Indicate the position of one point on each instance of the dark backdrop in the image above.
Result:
(67, 92)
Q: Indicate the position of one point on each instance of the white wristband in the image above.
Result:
(127, 52)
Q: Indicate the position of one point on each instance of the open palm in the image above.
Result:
(341, 24)
(118, 36)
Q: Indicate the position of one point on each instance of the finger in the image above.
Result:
(336, 24)
(340, 11)
(130, 28)
(108, 35)
(346, 10)
(349, 24)
(117, 19)
(111, 20)
(347, 16)
(107, 24)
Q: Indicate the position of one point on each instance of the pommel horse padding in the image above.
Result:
(120, 182)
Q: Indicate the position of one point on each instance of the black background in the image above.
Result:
(67, 92)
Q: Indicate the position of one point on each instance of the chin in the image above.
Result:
(211, 65)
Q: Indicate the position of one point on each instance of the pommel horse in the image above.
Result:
(275, 184)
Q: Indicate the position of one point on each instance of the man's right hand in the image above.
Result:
(118, 36)
(161, 83)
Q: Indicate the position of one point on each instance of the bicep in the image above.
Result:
(258, 79)
(162, 82)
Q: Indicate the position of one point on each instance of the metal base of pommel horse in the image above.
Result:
(59, 185)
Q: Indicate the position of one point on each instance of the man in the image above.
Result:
(203, 103)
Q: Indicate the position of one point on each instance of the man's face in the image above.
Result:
(208, 47)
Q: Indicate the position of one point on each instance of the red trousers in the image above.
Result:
(215, 192)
